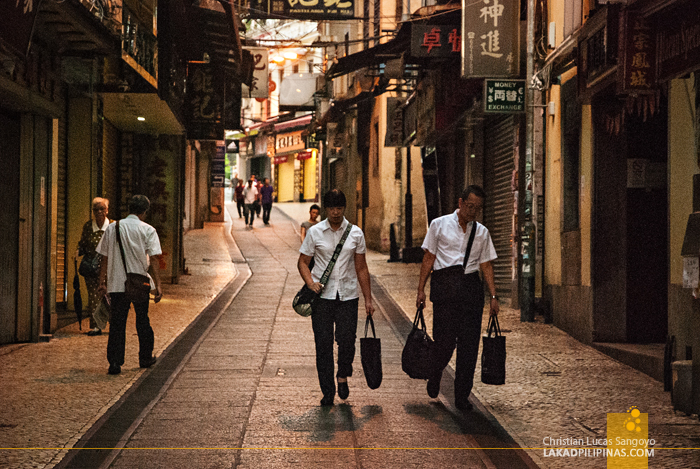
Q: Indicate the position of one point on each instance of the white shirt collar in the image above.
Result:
(98, 228)
(326, 225)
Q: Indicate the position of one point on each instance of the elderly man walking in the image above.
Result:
(140, 244)
(456, 248)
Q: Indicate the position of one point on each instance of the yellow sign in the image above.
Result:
(292, 141)
(629, 446)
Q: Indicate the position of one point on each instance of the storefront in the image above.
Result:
(288, 172)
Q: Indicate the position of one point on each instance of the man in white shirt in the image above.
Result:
(250, 196)
(456, 290)
(339, 298)
(142, 255)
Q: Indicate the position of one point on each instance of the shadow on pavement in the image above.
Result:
(321, 423)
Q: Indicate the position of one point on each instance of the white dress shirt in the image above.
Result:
(140, 241)
(320, 243)
(250, 194)
(448, 243)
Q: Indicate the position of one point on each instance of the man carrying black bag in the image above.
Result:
(456, 247)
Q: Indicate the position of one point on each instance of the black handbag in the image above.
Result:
(371, 354)
(416, 356)
(449, 284)
(137, 287)
(493, 354)
(304, 299)
(90, 265)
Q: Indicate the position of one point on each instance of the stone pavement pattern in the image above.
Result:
(555, 386)
(252, 384)
(51, 393)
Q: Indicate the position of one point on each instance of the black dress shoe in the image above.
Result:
(464, 406)
(94, 332)
(147, 363)
(433, 387)
(327, 401)
(343, 390)
(114, 370)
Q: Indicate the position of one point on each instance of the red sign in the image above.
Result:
(435, 40)
(280, 159)
(638, 55)
(305, 155)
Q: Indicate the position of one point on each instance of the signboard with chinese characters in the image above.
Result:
(490, 38)
(507, 96)
(204, 102)
(289, 142)
(258, 89)
(394, 123)
(435, 41)
(218, 167)
(638, 55)
(302, 9)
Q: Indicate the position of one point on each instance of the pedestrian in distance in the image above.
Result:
(142, 256)
(457, 291)
(314, 212)
(238, 197)
(250, 196)
(266, 192)
(258, 186)
(337, 306)
(93, 230)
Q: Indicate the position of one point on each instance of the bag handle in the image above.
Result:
(370, 322)
(121, 248)
(494, 327)
(469, 244)
(338, 248)
(419, 321)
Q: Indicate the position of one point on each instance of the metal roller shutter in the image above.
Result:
(62, 255)
(499, 165)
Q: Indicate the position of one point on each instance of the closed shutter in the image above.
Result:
(62, 197)
(499, 165)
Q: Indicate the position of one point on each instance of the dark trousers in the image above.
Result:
(240, 206)
(326, 314)
(117, 329)
(458, 324)
(249, 211)
(266, 212)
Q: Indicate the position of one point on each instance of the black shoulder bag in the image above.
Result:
(447, 285)
(136, 287)
(416, 361)
(304, 299)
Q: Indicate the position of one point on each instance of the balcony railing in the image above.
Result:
(139, 43)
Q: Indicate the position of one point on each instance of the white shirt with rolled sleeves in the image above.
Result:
(448, 243)
(140, 241)
(320, 243)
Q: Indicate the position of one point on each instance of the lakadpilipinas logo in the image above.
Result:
(629, 445)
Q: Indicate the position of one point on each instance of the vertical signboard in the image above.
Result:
(638, 55)
(205, 102)
(490, 38)
(218, 167)
(394, 123)
(258, 88)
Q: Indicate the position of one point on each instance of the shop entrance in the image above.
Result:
(630, 249)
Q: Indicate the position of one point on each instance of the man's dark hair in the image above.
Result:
(139, 204)
(315, 207)
(334, 198)
(474, 189)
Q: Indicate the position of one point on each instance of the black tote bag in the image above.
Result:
(493, 355)
(371, 354)
(415, 358)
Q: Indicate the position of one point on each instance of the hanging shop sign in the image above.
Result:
(305, 155)
(302, 9)
(259, 86)
(490, 38)
(394, 123)
(638, 55)
(218, 167)
(435, 41)
(504, 96)
(204, 102)
(289, 142)
(678, 41)
(280, 159)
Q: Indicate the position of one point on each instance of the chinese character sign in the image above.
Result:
(302, 9)
(490, 38)
(204, 102)
(639, 72)
(435, 41)
(258, 89)
(505, 96)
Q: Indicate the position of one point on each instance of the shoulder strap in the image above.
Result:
(469, 244)
(338, 248)
(121, 248)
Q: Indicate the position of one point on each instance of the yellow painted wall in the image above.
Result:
(310, 177)
(586, 193)
(553, 194)
(682, 166)
(286, 181)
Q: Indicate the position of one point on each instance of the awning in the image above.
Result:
(293, 123)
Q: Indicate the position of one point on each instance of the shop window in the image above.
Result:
(571, 137)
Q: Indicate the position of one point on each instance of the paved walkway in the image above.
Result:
(555, 387)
